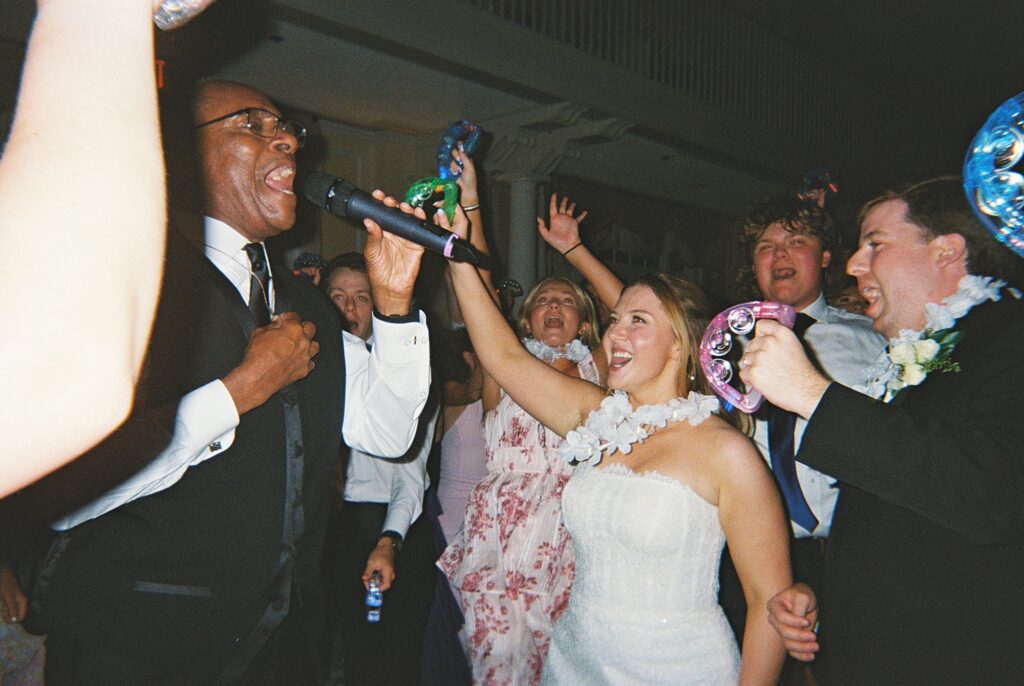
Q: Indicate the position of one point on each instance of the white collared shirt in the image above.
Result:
(385, 392)
(225, 247)
(400, 484)
(846, 347)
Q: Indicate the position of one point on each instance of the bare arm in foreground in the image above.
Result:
(81, 186)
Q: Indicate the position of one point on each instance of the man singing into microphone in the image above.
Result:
(201, 564)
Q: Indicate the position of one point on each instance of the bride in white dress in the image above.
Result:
(649, 521)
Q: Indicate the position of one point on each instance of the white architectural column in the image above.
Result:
(528, 146)
(522, 241)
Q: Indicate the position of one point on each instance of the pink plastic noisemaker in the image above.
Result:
(738, 320)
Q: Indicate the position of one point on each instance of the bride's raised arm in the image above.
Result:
(558, 401)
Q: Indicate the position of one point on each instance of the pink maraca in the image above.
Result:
(717, 342)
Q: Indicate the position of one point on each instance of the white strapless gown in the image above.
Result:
(644, 607)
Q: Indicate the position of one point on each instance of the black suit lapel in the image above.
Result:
(230, 297)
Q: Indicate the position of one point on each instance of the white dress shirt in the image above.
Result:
(385, 392)
(398, 483)
(846, 347)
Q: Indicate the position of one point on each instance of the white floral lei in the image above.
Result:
(616, 426)
(912, 354)
(575, 350)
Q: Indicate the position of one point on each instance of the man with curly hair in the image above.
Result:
(791, 243)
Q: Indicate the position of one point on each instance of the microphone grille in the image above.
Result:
(317, 188)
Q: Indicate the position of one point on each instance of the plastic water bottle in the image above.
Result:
(374, 599)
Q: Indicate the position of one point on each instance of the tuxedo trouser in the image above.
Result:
(284, 659)
(389, 652)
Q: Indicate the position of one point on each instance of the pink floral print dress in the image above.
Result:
(511, 565)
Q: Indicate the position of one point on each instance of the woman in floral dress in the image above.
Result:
(511, 565)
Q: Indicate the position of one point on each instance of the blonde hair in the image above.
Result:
(584, 305)
(689, 314)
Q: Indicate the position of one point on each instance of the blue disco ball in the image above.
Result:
(993, 176)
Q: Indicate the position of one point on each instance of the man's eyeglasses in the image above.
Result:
(264, 124)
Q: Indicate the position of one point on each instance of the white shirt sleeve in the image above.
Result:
(384, 395)
(386, 389)
(204, 426)
(408, 485)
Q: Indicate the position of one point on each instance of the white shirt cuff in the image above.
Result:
(203, 427)
(208, 414)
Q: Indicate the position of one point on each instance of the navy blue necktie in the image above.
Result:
(259, 284)
(781, 443)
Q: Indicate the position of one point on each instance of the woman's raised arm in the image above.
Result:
(563, 234)
(82, 222)
(558, 401)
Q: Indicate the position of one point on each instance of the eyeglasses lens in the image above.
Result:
(266, 124)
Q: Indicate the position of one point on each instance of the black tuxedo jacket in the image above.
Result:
(192, 580)
(926, 556)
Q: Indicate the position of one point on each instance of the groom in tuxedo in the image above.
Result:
(201, 564)
(922, 577)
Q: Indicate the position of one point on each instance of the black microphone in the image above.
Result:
(340, 197)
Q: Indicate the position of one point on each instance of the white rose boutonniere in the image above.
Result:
(926, 349)
(915, 359)
(913, 374)
(903, 354)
